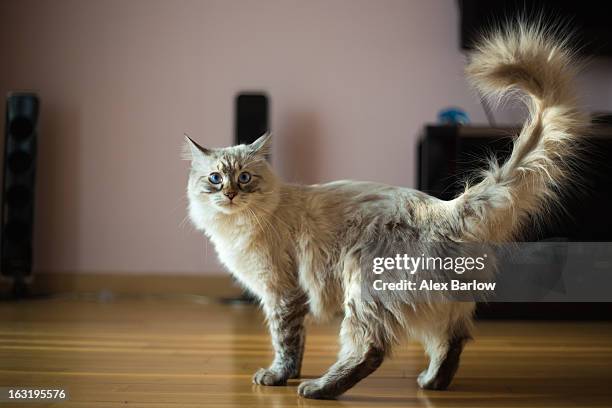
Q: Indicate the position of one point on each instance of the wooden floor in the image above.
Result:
(180, 353)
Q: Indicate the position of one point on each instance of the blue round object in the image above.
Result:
(453, 116)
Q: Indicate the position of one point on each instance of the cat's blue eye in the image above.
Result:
(215, 178)
(244, 177)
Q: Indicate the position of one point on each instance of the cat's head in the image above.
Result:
(233, 179)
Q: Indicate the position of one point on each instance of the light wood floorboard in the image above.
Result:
(176, 353)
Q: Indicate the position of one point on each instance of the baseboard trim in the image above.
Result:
(220, 286)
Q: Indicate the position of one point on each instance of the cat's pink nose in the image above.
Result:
(230, 194)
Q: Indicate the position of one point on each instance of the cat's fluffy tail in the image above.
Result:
(538, 62)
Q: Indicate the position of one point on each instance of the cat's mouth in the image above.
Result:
(229, 205)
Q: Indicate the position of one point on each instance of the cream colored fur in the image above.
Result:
(298, 248)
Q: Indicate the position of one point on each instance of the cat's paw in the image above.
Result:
(265, 376)
(432, 382)
(316, 389)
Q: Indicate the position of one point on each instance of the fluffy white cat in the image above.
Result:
(300, 249)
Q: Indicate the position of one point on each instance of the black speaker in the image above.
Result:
(251, 117)
(18, 187)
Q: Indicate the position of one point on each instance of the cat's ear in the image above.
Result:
(193, 151)
(262, 145)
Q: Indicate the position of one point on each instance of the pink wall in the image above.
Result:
(351, 83)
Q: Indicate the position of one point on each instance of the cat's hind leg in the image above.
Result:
(444, 350)
(364, 344)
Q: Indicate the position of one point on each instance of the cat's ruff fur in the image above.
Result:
(297, 248)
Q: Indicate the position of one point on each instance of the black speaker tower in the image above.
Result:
(251, 117)
(18, 189)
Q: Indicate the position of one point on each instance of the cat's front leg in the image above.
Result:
(285, 315)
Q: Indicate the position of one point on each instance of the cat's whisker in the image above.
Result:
(184, 221)
(267, 222)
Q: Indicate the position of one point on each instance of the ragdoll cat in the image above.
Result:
(298, 248)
